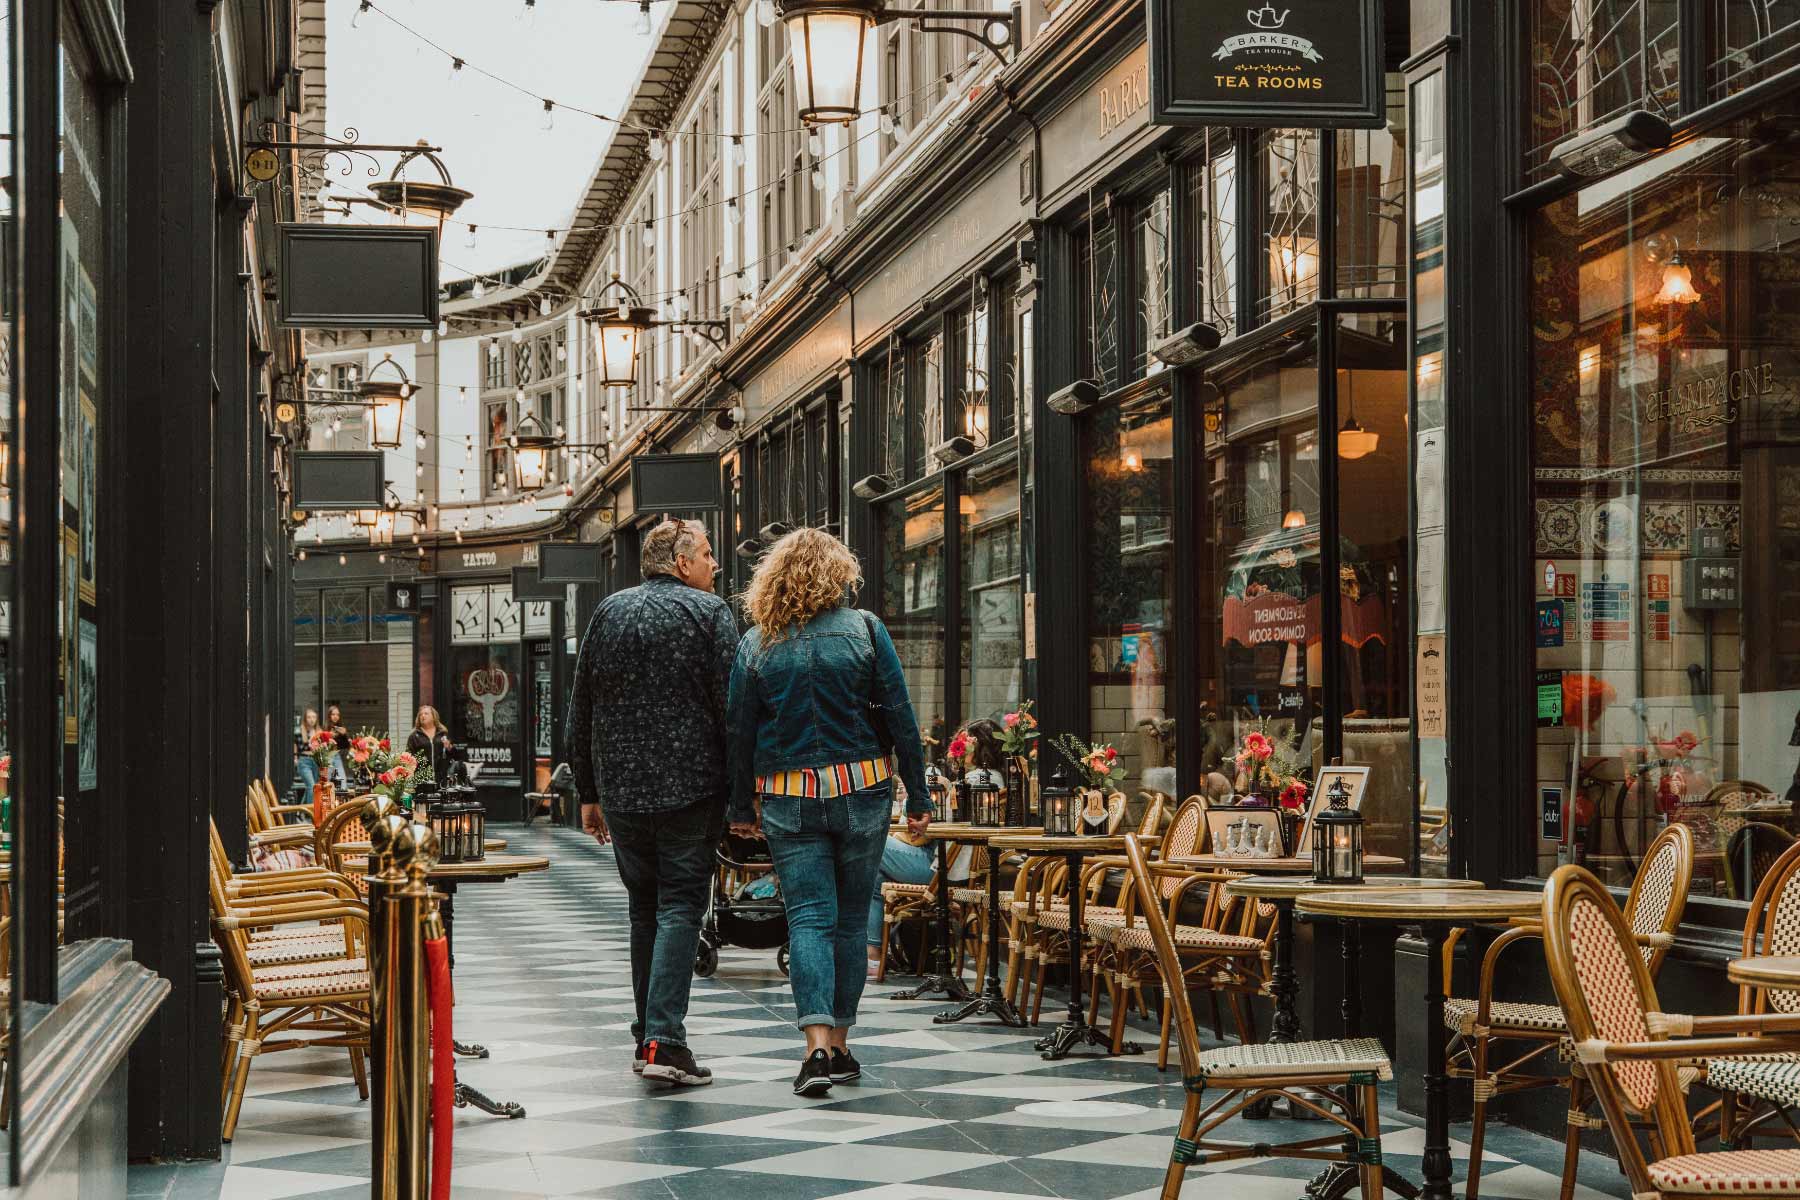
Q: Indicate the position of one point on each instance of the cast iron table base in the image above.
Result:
(1075, 1032)
(465, 1094)
(941, 979)
(992, 1002)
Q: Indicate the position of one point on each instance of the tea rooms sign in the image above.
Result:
(1298, 63)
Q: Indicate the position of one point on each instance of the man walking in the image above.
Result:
(647, 739)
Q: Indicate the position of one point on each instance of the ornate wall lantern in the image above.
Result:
(619, 327)
(420, 202)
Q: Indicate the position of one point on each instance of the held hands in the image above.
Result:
(750, 829)
(594, 823)
(919, 824)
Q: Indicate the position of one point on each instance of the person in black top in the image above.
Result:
(429, 742)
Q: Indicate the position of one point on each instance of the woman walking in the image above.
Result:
(306, 767)
(819, 716)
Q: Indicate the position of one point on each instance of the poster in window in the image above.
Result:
(90, 469)
(67, 400)
(87, 708)
(88, 349)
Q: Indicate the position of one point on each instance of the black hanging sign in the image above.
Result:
(403, 597)
(1309, 63)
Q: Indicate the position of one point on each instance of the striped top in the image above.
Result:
(838, 780)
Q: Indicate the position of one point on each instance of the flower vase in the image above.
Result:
(324, 800)
(1018, 788)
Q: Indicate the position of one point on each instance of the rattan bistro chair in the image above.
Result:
(1621, 1037)
(1529, 1032)
(1335, 1080)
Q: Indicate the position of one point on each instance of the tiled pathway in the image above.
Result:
(958, 1113)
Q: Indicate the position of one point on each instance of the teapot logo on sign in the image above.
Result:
(1258, 55)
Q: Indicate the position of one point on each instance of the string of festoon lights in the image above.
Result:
(766, 14)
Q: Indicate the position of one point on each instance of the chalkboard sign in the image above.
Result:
(1310, 63)
(569, 562)
(334, 479)
(357, 277)
(674, 482)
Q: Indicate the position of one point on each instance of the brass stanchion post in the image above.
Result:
(385, 876)
(412, 1012)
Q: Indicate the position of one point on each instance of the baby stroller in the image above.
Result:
(746, 907)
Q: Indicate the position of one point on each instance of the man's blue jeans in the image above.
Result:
(901, 862)
(827, 853)
(666, 862)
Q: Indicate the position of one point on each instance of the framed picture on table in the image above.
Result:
(1243, 832)
(1356, 779)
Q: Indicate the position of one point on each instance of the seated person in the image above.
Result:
(908, 856)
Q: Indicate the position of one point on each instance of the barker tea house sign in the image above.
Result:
(1315, 63)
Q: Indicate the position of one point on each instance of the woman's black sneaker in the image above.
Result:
(637, 1060)
(844, 1066)
(815, 1075)
(665, 1063)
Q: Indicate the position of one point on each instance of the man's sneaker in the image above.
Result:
(815, 1075)
(667, 1063)
(844, 1066)
(637, 1060)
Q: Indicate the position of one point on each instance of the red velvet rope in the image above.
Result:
(443, 1065)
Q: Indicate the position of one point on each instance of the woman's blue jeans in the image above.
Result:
(827, 853)
(901, 862)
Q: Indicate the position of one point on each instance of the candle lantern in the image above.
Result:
(1337, 839)
(987, 798)
(940, 793)
(1021, 806)
(460, 822)
(1058, 806)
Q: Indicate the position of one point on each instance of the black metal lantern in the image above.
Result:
(829, 38)
(1337, 839)
(420, 202)
(987, 797)
(1021, 802)
(386, 399)
(1059, 806)
(940, 793)
(619, 328)
(460, 823)
(531, 446)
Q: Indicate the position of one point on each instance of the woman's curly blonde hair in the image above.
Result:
(804, 574)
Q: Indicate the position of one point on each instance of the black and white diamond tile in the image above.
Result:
(942, 1113)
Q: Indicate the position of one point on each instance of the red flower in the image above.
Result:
(960, 746)
(386, 777)
(385, 745)
(1259, 745)
(1111, 754)
(1294, 795)
(407, 760)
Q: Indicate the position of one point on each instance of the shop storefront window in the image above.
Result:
(1666, 487)
(1371, 204)
(1131, 543)
(1291, 217)
(1375, 699)
(1428, 340)
(1593, 60)
(487, 678)
(1153, 278)
(1757, 38)
(1212, 201)
(993, 619)
(913, 602)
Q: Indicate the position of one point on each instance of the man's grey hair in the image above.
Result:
(665, 542)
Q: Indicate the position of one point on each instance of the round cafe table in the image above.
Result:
(1284, 982)
(1074, 1031)
(1435, 911)
(1781, 971)
(992, 1001)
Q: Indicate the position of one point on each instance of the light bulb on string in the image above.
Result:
(420, 441)
(356, 20)
(480, 290)
(549, 122)
(887, 120)
(656, 148)
(544, 307)
(456, 66)
(343, 560)
(733, 213)
(382, 557)
(419, 471)
(562, 352)
(643, 18)
(443, 327)
(469, 242)
(529, 15)
(818, 179)
(765, 13)
(518, 334)
(302, 556)
(324, 196)
(649, 234)
(426, 336)
(737, 149)
(815, 145)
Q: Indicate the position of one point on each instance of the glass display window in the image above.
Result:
(1665, 483)
(914, 602)
(992, 602)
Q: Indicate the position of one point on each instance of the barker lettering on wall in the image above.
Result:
(1301, 62)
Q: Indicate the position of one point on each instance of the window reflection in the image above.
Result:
(993, 619)
(1131, 587)
(912, 600)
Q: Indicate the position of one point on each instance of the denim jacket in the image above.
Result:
(804, 702)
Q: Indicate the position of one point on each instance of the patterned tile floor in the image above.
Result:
(942, 1113)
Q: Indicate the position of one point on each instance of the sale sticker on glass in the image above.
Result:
(1549, 623)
